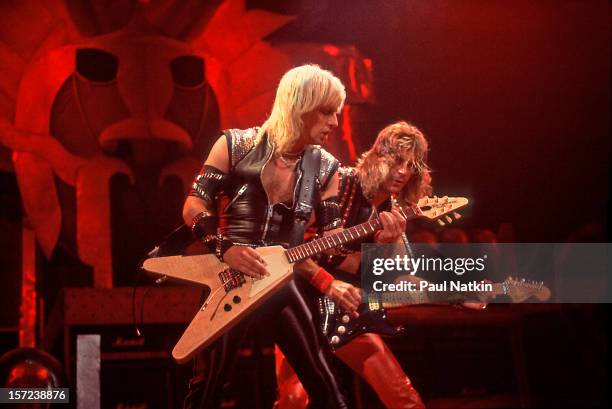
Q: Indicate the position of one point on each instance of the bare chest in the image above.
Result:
(279, 182)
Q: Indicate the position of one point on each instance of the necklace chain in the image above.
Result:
(288, 161)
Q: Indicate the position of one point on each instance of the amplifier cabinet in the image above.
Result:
(136, 371)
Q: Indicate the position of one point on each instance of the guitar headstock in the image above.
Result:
(436, 207)
(520, 290)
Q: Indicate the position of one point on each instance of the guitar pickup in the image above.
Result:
(231, 279)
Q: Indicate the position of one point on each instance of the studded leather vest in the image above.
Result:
(355, 208)
(247, 217)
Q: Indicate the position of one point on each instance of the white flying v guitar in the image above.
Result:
(233, 295)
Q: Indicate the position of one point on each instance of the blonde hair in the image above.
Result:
(398, 141)
(301, 90)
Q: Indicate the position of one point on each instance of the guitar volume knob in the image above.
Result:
(335, 339)
(345, 319)
(341, 329)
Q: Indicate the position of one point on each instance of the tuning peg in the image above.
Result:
(441, 223)
(456, 215)
(448, 219)
(445, 198)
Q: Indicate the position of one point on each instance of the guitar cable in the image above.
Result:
(158, 281)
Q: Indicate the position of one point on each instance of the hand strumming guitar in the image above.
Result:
(345, 295)
(246, 260)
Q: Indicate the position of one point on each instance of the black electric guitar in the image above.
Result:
(339, 327)
(233, 295)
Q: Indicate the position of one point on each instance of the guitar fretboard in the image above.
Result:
(399, 299)
(303, 251)
(402, 298)
(427, 207)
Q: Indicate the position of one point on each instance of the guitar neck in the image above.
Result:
(403, 298)
(303, 251)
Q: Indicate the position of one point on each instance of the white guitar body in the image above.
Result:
(233, 295)
(222, 309)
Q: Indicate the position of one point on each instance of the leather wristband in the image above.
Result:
(208, 183)
(203, 226)
(321, 280)
(222, 246)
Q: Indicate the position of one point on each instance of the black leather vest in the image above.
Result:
(355, 208)
(247, 218)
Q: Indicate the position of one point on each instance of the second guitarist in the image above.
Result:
(396, 165)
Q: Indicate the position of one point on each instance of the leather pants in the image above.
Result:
(368, 356)
(287, 318)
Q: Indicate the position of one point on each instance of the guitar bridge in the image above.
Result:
(373, 302)
(327, 310)
(231, 279)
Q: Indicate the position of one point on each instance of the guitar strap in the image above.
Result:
(310, 165)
